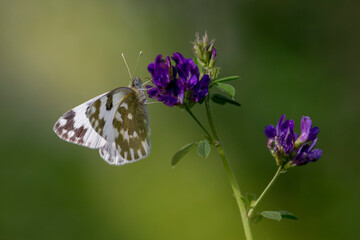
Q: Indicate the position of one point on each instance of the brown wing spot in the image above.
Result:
(68, 126)
(109, 103)
(69, 115)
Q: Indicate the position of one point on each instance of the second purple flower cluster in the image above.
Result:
(173, 85)
(288, 147)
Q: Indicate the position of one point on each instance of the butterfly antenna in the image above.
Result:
(127, 66)
(137, 61)
(147, 103)
(146, 82)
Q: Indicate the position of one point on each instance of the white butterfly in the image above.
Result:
(115, 122)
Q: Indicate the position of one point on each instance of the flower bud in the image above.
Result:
(205, 53)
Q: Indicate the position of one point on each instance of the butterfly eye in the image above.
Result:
(137, 82)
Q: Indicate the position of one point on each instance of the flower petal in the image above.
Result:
(153, 92)
(306, 124)
(205, 81)
(151, 68)
(313, 133)
(192, 82)
(279, 124)
(178, 58)
(312, 145)
(213, 53)
(168, 100)
(314, 155)
(270, 131)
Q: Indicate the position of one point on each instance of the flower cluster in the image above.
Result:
(176, 84)
(288, 148)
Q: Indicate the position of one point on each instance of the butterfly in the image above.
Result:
(117, 123)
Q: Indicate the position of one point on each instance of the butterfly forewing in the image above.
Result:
(74, 127)
(121, 118)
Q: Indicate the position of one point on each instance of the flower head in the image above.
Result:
(287, 147)
(174, 85)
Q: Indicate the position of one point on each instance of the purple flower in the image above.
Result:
(213, 53)
(160, 71)
(307, 132)
(170, 83)
(284, 148)
(281, 139)
(167, 88)
(307, 154)
(187, 71)
(201, 89)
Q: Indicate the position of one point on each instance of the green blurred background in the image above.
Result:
(294, 57)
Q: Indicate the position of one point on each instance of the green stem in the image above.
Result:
(277, 174)
(198, 122)
(230, 173)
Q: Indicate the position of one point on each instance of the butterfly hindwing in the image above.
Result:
(74, 126)
(121, 118)
(132, 122)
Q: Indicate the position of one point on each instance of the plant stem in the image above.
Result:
(230, 173)
(198, 122)
(277, 174)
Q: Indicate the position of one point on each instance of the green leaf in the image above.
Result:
(289, 215)
(273, 215)
(204, 149)
(182, 152)
(221, 99)
(226, 88)
(226, 79)
(277, 215)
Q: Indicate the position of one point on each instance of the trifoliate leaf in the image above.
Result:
(204, 149)
(226, 79)
(221, 99)
(226, 88)
(182, 152)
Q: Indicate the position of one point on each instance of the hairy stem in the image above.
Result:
(277, 174)
(230, 173)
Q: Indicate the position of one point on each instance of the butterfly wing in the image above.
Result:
(122, 120)
(74, 126)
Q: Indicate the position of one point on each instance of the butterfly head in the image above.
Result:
(136, 83)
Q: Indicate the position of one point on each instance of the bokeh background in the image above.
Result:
(294, 57)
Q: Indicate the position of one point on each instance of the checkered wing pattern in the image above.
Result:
(120, 117)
